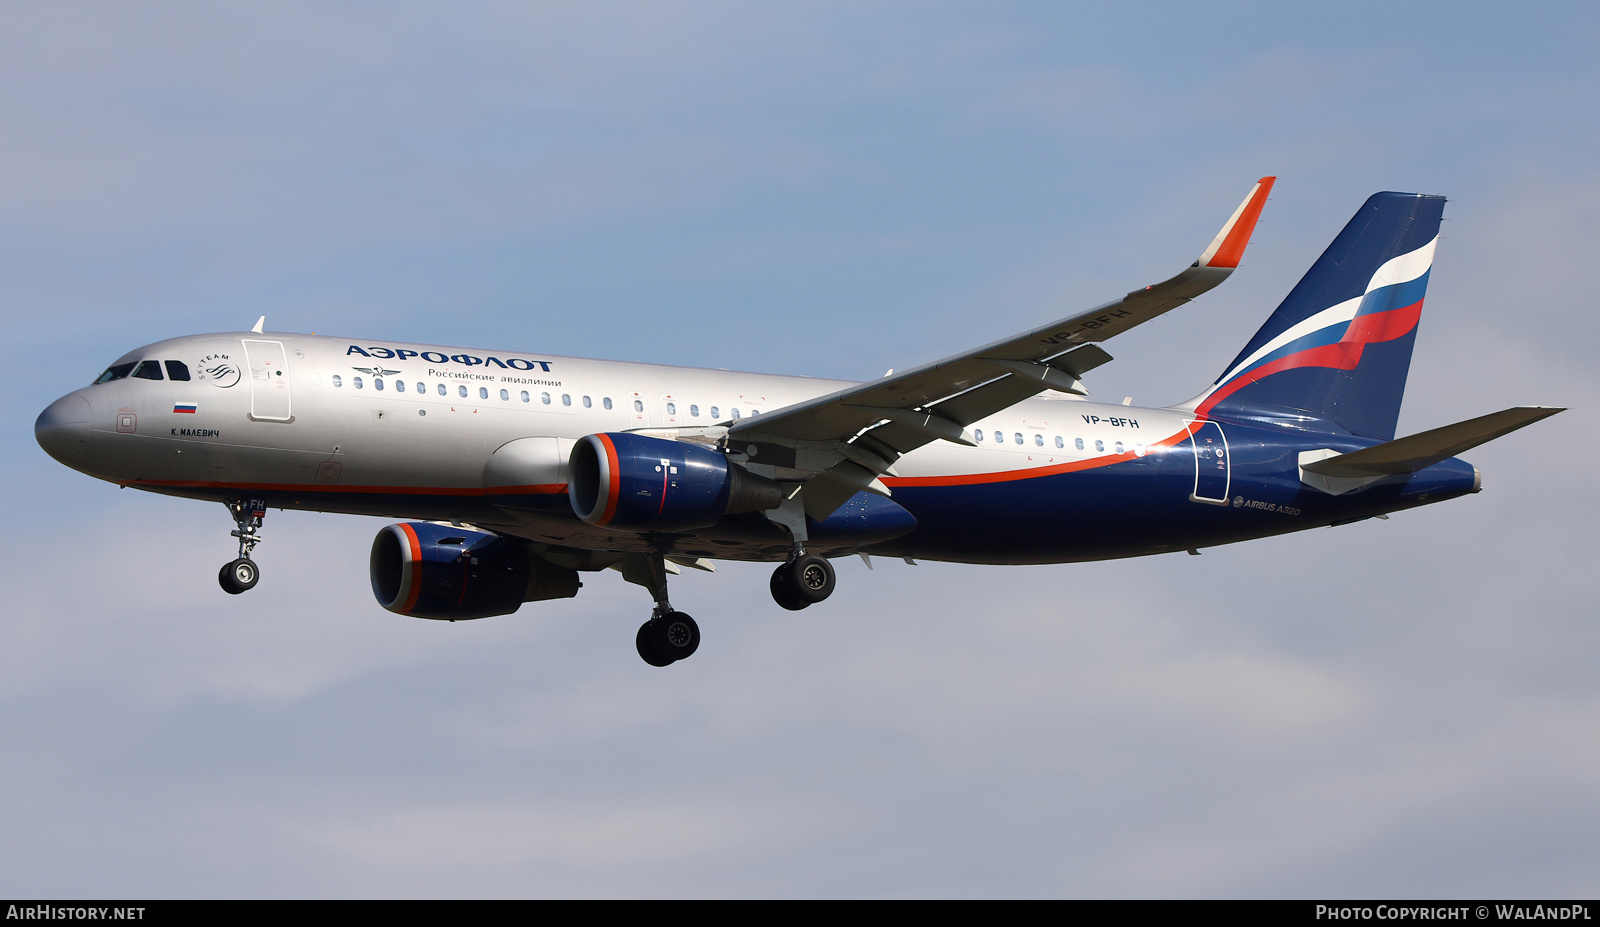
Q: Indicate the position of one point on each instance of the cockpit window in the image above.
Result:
(177, 370)
(115, 372)
(148, 370)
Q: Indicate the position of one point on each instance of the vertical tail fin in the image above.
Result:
(1339, 346)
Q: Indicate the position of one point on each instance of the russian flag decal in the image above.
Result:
(186, 407)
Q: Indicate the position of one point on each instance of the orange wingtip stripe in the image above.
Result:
(1232, 248)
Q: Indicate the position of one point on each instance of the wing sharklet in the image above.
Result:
(1228, 247)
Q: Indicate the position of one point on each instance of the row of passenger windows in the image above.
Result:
(145, 370)
(442, 389)
(999, 437)
(694, 410)
(462, 392)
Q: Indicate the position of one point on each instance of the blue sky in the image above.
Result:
(1399, 708)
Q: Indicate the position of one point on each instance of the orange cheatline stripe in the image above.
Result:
(1233, 246)
(611, 458)
(1006, 476)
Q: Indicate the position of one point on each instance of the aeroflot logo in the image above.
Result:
(439, 357)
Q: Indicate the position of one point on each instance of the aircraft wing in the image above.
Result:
(854, 435)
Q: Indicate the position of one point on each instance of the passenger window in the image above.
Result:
(1077, 443)
(1038, 440)
(377, 384)
(1099, 446)
(606, 402)
(672, 408)
(177, 370)
(714, 412)
(148, 370)
(694, 411)
(736, 415)
(1059, 442)
(337, 382)
(543, 397)
(422, 389)
(1019, 437)
(587, 403)
(356, 381)
(1119, 447)
(505, 395)
(399, 386)
(978, 434)
(114, 372)
(444, 390)
(638, 405)
(566, 400)
(483, 392)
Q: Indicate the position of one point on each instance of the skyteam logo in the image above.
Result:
(1336, 337)
(219, 370)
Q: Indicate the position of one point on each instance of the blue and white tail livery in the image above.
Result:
(1337, 350)
(521, 471)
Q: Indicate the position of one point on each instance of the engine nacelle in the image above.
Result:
(441, 571)
(636, 482)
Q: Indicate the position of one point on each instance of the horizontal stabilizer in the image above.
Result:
(1419, 451)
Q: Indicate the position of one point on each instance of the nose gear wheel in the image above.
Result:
(238, 576)
(241, 574)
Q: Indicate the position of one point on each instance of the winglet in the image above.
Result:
(261, 323)
(1228, 247)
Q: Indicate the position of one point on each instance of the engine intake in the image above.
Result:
(629, 481)
(441, 571)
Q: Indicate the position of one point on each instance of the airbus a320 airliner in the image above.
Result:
(519, 471)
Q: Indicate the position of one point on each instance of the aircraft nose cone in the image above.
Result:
(62, 429)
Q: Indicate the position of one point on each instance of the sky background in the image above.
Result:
(1402, 708)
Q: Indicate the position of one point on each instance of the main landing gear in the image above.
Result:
(669, 636)
(240, 575)
(804, 580)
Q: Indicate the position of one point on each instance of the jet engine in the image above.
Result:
(636, 482)
(441, 571)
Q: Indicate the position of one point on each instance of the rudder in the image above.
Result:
(1338, 348)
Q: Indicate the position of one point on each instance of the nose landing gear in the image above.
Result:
(241, 575)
